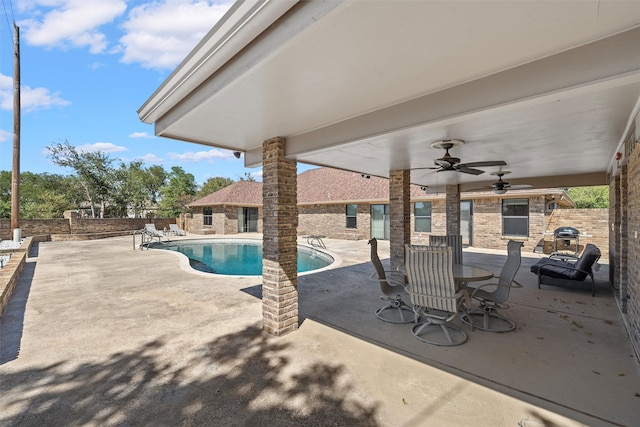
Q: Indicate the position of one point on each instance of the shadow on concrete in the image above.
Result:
(12, 320)
(241, 380)
(561, 333)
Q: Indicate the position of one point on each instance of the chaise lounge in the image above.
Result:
(558, 272)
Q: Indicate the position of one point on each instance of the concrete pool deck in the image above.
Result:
(97, 333)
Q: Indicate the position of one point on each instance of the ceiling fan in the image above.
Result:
(501, 187)
(450, 163)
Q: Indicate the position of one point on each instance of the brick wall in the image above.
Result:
(632, 231)
(224, 220)
(45, 228)
(331, 221)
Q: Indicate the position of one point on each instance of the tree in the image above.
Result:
(212, 185)
(247, 177)
(154, 179)
(42, 195)
(93, 170)
(590, 197)
(177, 193)
(5, 194)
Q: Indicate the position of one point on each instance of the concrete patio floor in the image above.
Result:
(97, 333)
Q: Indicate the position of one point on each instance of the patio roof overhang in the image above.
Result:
(552, 88)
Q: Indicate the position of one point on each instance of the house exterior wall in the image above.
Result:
(224, 220)
(331, 220)
(629, 229)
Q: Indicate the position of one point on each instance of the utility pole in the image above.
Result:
(15, 175)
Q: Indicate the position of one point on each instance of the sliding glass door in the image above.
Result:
(380, 222)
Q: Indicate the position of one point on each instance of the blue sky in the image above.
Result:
(86, 68)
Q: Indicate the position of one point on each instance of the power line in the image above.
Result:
(13, 19)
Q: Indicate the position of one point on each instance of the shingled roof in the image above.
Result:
(322, 185)
(245, 193)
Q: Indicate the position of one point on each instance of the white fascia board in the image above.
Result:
(242, 23)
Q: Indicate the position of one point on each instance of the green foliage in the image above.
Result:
(94, 172)
(212, 185)
(177, 193)
(590, 197)
(41, 195)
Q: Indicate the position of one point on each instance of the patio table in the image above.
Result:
(470, 273)
(463, 273)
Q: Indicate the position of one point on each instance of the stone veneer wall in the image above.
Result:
(44, 229)
(630, 304)
(331, 221)
(224, 220)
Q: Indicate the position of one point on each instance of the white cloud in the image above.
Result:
(144, 135)
(31, 99)
(191, 156)
(64, 23)
(105, 147)
(160, 34)
(150, 158)
(5, 136)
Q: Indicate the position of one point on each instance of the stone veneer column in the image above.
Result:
(452, 209)
(279, 247)
(400, 209)
(624, 238)
(614, 231)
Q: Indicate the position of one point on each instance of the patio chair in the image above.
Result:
(150, 231)
(497, 294)
(433, 295)
(173, 228)
(453, 241)
(392, 290)
(558, 272)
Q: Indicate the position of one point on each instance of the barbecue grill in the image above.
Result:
(567, 236)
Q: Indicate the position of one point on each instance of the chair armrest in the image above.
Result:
(513, 284)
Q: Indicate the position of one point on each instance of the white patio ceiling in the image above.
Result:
(549, 87)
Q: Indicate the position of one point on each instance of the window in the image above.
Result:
(208, 216)
(352, 215)
(515, 217)
(422, 216)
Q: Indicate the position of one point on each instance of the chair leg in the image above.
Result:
(396, 306)
(488, 320)
(452, 334)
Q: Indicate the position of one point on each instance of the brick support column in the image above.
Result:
(279, 247)
(624, 238)
(452, 208)
(614, 232)
(400, 209)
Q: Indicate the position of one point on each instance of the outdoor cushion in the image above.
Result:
(568, 272)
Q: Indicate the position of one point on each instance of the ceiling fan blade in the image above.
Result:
(482, 164)
(469, 170)
(445, 164)
(520, 187)
(427, 167)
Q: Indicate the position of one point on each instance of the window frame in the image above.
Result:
(417, 217)
(351, 219)
(513, 218)
(208, 216)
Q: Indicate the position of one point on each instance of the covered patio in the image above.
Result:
(552, 89)
(97, 333)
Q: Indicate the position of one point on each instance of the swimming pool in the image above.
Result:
(237, 257)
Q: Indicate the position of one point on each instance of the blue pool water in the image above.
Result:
(237, 257)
